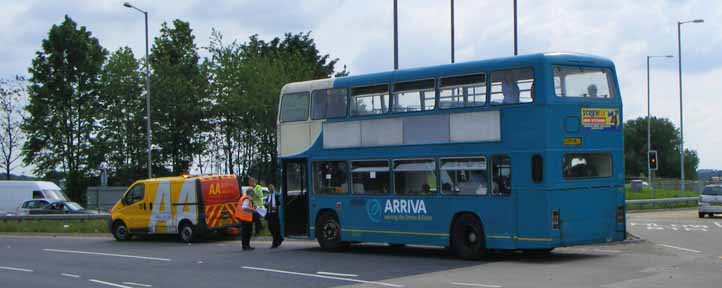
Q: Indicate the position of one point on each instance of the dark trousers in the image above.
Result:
(275, 227)
(257, 223)
(246, 234)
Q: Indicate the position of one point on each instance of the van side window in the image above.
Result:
(38, 195)
(135, 194)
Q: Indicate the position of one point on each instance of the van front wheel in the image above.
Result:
(120, 231)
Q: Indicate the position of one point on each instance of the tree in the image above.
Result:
(63, 106)
(12, 94)
(121, 142)
(245, 84)
(665, 139)
(179, 99)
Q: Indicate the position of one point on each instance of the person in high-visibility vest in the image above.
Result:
(244, 212)
(258, 200)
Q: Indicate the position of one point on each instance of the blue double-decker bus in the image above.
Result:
(522, 153)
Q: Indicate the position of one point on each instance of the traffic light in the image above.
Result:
(653, 160)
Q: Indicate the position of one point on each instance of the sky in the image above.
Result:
(360, 34)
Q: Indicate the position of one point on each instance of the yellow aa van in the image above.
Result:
(187, 206)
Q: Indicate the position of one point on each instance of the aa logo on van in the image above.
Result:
(215, 190)
(373, 209)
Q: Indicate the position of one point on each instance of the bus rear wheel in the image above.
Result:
(328, 233)
(467, 238)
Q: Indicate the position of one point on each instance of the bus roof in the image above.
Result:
(454, 68)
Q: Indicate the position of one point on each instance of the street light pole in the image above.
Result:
(516, 46)
(147, 89)
(649, 120)
(396, 35)
(452, 31)
(681, 118)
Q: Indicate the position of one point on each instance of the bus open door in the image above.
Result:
(295, 198)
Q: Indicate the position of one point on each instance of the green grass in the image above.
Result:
(70, 226)
(54, 226)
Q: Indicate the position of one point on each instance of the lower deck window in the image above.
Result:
(415, 177)
(329, 177)
(587, 165)
(370, 177)
(464, 176)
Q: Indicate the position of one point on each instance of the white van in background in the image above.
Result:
(14, 193)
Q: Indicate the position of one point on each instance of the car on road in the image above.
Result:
(61, 207)
(31, 205)
(710, 201)
(14, 193)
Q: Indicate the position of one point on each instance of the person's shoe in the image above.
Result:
(274, 246)
(249, 248)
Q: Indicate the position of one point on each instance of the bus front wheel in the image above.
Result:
(467, 238)
(328, 232)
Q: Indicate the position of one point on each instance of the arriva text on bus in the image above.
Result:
(405, 206)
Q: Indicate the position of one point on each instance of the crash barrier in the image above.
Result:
(61, 217)
(662, 200)
(103, 198)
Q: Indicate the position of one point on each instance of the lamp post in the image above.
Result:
(516, 46)
(396, 35)
(452, 31)
(681, 118)
(649, 120)
(147, 90)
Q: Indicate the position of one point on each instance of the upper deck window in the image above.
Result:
(414, 96)
(583, 82)
(294, 107)
(463, 91)
(328, 103)
(512, 86)
(370, 100)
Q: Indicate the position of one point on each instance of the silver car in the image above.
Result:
(710, 201)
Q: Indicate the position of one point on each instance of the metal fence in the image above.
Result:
(102, 198)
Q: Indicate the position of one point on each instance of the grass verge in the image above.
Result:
(54, 226)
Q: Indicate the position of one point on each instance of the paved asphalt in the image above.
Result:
(677, 250)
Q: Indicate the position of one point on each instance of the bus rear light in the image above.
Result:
(555, 219)
(620, 215)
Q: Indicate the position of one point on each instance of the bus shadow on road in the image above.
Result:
(428, 252)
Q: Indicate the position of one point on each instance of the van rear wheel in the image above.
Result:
(186, 232)
(120, 231)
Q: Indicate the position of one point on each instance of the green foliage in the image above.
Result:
(246, 81)
(55, 226)
(179, 102)
(121, 141)
(12, 97)
(63, 106)
(665, 139)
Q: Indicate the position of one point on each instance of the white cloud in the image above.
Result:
(360, 34)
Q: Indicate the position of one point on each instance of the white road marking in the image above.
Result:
(322, 276)
(70, 275)
(336, 274)
(109, 284)
(476, 285)
(137, 284)
(16, 269)
(106, 254)
(718, 225)
(680, 248)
